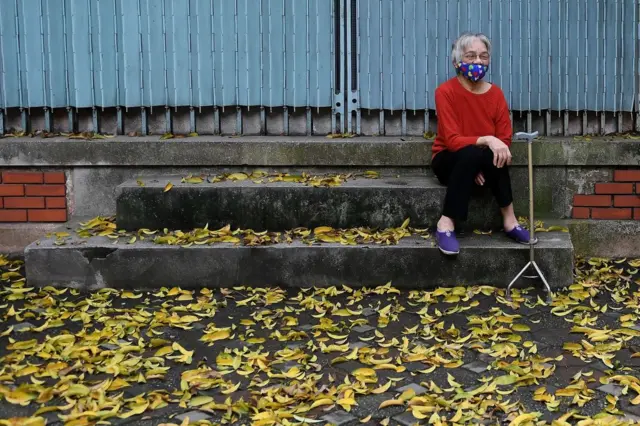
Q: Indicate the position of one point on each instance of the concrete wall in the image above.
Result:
(563, 167)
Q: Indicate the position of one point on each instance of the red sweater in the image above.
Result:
(464, 116)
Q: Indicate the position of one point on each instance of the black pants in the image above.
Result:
(458, 170)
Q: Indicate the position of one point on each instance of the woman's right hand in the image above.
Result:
(501, 153)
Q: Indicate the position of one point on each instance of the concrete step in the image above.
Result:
(414, 262)
(379, 203)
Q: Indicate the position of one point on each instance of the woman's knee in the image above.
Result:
(471, 154)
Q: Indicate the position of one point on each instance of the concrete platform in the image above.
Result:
(380, 203)
(414, 263)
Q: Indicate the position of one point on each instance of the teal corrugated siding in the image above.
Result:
(548, 54)
(135, 53)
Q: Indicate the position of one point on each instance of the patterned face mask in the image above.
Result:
(473, 72)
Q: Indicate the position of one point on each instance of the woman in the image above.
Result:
(473, 140)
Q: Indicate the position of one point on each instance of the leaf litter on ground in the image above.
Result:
(105, 226)
(261, 176)
(274, 356)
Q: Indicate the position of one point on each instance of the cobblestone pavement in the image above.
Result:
(343, 356)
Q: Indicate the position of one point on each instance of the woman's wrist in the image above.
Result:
(482, 141)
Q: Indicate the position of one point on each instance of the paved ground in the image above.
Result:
(329, 356)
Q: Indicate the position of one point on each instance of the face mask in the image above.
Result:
(472, 72)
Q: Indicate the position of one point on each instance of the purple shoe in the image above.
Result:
(447, 242)
(520, 235)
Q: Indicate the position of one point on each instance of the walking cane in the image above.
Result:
(529, 137)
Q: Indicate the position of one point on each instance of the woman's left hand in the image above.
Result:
(480, 179)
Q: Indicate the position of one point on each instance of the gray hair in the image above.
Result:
(464, 41)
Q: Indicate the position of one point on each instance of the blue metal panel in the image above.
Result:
(55, 41)
(578, 55)
(249, 53)
(10, 59)
(202, 54)
(32, 54)
(105, 55)
(154, 63)
(130, 46)
(178, 50)
(546, 53)
(628, 71)
(321, 60)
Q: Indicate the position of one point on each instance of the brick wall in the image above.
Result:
(33, 197)
(619, 199)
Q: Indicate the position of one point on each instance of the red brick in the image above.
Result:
(54, 177)
(626, 175)
(56, 203)
(581, 213)
(49, 215)
(45, 190)
(21, 177)
(610, 213)
(614, 188)
(592, 200)
(1, 203)
(24, 203)
(626, 201)
(13, 215)
(636, 214)
(11, 190)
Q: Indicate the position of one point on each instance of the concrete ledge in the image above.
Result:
(14, 237)
(291, 151)
(605, 238)
(413, 263)
(277, 206)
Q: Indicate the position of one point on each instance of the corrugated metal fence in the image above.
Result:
(347, 55)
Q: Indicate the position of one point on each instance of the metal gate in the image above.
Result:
(349, 57)
(548, 55)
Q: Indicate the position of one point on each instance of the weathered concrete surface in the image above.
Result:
(14, 237)
(605, 238)
(275, 206)
(413, 263)
(292, 151)
(94, 188)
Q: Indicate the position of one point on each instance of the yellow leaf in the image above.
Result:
(523, 419)
(118, 383)
(507, 379)
(130, 295)
(570, 346)
(135, 410)
(520, 327)
(390, 402)
(232, 389)
(382, 389)
(322, 230)
(19, 397)
(217, 335)
(321, 402)
(24, 421)
(164, 351)
(366, 419)
(168, 187)
(200, 400)
(237, 176)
